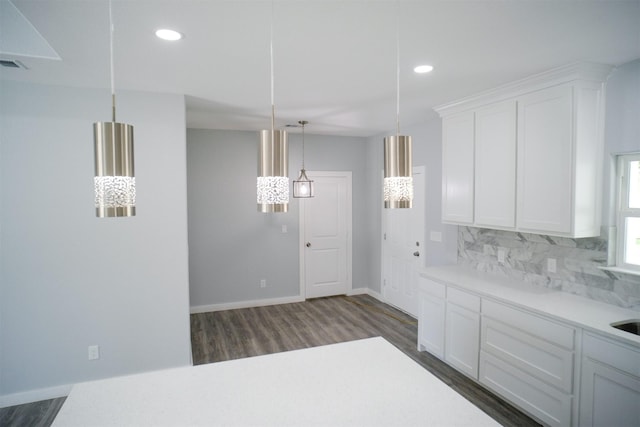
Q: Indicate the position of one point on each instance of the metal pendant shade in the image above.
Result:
(303, 186)
(273, 165)
(398, 179)
(114, 180)
(272, 183)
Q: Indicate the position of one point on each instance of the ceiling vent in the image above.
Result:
(12, 63)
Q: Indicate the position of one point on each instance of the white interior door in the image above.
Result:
(403, 249)
(325, 236)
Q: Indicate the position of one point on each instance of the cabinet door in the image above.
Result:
(610, 386)
(609, 397)
(457, 168)
(463, 339)
(495, 160)
(431, 324)
(545, 161)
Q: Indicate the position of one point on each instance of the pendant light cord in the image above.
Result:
(303, 146)
(113, 90)
(273, 108)
(397, 69)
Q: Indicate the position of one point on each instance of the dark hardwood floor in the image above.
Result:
(233, 334)
(37, 414)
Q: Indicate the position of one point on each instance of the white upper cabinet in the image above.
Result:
(536, 149)
(495, 177)
(457, 160)
(545, 161)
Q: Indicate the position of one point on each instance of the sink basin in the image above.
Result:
(632, 326)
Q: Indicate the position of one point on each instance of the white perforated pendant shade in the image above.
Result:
(273, 166)
(114, 181)
(398, 180)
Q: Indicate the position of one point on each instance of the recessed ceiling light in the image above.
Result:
(421, 69)
(166, 34)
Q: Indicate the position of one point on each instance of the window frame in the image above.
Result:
(623, 211)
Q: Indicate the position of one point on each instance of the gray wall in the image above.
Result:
(427, 151)
(68, 279)
(231, 245)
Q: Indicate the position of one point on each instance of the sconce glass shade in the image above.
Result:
(273, 168)
(398, 180)
(303, 186)
(114, 181)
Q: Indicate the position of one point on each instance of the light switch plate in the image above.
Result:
(93, 352)
(435, 236)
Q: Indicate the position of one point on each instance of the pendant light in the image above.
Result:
(303, 186)
(398, 180)
(114, 180)
(273, 160)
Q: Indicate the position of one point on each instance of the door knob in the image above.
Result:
(308, 244)
(416, 253)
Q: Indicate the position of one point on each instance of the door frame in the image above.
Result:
(302, 225)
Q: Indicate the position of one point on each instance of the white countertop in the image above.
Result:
(358, 383)
(579, 311)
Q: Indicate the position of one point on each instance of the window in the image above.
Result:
(628, 220)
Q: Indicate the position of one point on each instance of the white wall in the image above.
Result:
(427, 151)
(232, 245)
(68, 279)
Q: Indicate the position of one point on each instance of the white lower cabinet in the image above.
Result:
(529, 360)
(449, 325)
(431, 316)
(559, 374)
(610, 383)
(462, 332)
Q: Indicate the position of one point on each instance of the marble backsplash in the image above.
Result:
(577, 262)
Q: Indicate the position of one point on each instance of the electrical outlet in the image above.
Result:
(284, 228)
(263, 283)
(93, 352)
(551, 265)
(501, 255)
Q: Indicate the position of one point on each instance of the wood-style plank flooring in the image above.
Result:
(37, 414)
(233, 334)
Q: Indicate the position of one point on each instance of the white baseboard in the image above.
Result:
(367, 291)
(272, 301)
(34, 395)
(244, 304)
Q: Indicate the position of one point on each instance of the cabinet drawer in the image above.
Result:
(463, 299)
(547, 330)
(539, 358)
(432, 288)
(615, 354)
(534, 396)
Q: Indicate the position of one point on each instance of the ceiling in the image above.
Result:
(334, 61)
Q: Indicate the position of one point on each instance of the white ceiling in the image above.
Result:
(335, 61)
